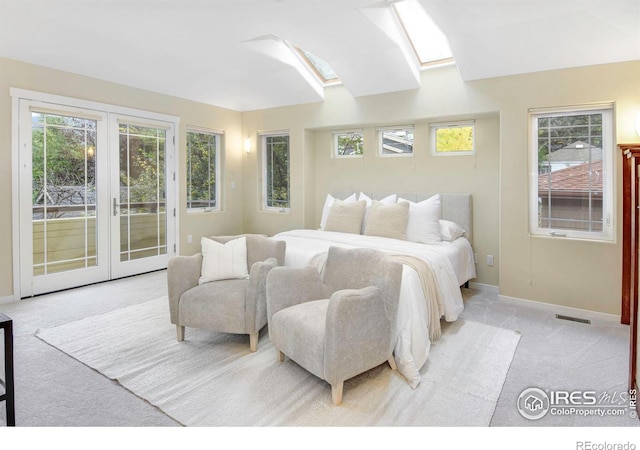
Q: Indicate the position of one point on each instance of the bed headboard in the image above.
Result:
(455, 207)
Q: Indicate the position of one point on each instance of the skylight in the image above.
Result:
(319, 66)
(429, 43)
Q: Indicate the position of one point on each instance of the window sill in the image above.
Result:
(203, 210)
(578, 238)
(286, 211)
(399, 155)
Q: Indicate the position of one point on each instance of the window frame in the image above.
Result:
(218, 170)
(434, 33)
(314, 68)
(263, 140)
(608, 186)
(381, 131)
(337, 134)
(434, 127)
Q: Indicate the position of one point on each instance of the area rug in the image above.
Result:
(211, 379)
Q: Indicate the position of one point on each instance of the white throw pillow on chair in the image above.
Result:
(223, 261)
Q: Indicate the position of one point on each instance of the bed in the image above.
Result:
(429, 292)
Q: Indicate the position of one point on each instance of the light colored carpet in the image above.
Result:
(211, 379)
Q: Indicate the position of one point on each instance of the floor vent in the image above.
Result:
(573, 319)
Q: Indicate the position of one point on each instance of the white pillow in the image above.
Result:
(388, 200)
(450, 231)
(424, 220)
(223, 261)
(328, 203)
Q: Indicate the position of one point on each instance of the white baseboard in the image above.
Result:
(484, 287)
(562, 310)
(7, 299)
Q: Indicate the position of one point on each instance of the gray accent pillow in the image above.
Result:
(346, 217)
(388, 220)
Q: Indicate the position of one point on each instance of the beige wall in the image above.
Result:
(312, 159)
(26, 76)
(571, 273)
(422, 173)
(565, 272)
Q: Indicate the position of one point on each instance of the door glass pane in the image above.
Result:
(64, 193)
(142, 192)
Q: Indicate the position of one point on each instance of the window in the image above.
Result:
(203, 170)
(429, 43)
(453, 138)
(396, 141)
(348, 144)
(276, 171)
(571, 172)
(319, 66)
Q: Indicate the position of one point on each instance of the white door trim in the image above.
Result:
(18, 94)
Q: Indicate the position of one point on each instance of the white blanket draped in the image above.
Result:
(415, 311)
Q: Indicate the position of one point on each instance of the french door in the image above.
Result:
(139, 219)
(94, 195)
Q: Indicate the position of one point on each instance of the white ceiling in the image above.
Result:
(231, 53)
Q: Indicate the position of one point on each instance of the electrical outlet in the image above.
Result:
(189, 239)
(489, 260)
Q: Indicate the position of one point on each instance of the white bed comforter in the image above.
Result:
(452, 264)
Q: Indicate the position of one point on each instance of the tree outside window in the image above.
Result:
(349, 144)
(202, 169)
(64, 166)
(453, 139)
(276, 171)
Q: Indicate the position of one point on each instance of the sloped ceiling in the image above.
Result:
(234, 53)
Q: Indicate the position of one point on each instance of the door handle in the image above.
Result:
(115, 206)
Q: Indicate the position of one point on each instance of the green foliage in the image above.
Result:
(69, 144)
(64, 164)
(350, 144)
(201, 169)
(454, 139)
(142, 171)
(277, 168)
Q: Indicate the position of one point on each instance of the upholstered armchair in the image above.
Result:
(340, 323)
(229, 305)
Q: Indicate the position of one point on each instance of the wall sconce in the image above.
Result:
(247, 145)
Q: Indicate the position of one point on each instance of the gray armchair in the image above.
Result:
(229, 306)
(338, 324)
